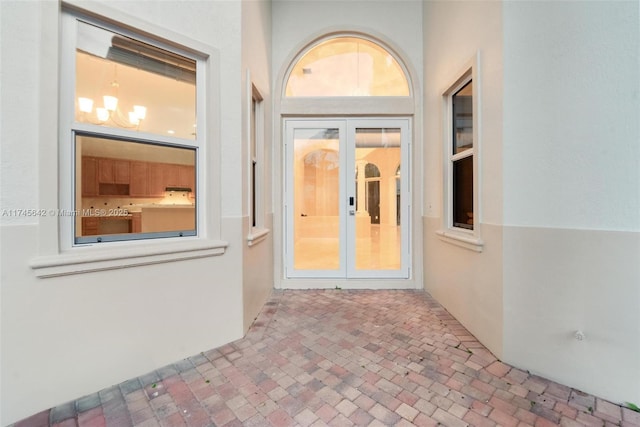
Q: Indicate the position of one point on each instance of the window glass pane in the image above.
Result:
(128, 190)
(463, 193)
(124, 83)
(347, 66)
(463, 118)
(316, 199)
(378, 230)
(253, 142)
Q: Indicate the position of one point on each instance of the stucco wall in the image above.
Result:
(560, 186)
(256, 59)
(467, 283)
(296, 23)
(572, 193)
(68, 336)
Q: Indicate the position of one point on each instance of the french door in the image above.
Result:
(347, 198)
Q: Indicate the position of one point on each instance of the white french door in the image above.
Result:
(347, 198)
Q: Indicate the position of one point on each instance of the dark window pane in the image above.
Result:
(463, 118)
(463, 193)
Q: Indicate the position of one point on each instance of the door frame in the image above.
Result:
(347, 222)
(303, 107)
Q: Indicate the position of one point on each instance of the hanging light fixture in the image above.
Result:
(109, 112)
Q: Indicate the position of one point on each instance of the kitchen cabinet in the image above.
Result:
(155, 180)
(139, 177)
(187, 177)
(113, 171)
(89, 177)
(113, 177)
(171, 175)
(134, 178)
(136, 222)
(179, 176)
(89, 226)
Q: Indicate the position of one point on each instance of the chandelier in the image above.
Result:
(110, 113)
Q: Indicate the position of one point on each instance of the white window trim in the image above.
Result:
(258, 232)
(57, 254)
(469, 239)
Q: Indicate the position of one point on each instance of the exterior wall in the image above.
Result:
(256, 58)
(469, 284)
(560, 187)
(68, 336)
(572, 193)
(296, 24)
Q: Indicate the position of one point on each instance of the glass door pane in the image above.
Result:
(315, 209)
(378, 156)
(347, 207)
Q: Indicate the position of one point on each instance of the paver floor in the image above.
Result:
(341, 358)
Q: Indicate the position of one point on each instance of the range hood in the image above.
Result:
(180, 189)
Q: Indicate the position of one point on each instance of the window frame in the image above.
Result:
(256, 169)
(462, 236)
(60, 255)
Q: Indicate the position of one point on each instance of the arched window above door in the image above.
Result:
(347, 66)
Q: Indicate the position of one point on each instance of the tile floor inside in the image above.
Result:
(341, 358)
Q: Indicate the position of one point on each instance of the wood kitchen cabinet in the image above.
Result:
(113, 177)
(187, 177)
(139, 179)
(134, 178)
(136, 222)
(155, 179)
(179, 176)
(171, 175)
(89, 226)
(89, 177)
(113, 171)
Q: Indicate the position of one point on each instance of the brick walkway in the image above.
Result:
(340, 358)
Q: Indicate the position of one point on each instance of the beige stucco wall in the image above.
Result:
(559, 186)
(256, 65)
(572, 193)
(68, 336)
(468, 283)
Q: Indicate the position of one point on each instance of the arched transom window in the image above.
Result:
(347, 66)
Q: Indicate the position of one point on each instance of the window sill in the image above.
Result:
(257, 235)
(458, 239)
(99, 259)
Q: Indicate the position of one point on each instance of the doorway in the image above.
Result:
(346, 213)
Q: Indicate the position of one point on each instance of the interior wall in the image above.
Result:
(256, 58)
(68, 336)
(467, 283)
(572, 193)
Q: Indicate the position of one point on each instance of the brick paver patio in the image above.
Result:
(341, 358)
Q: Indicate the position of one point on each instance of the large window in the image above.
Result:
(461, 143)
(134, 134)
(462, 157)
(256, 131)
(136, 146)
